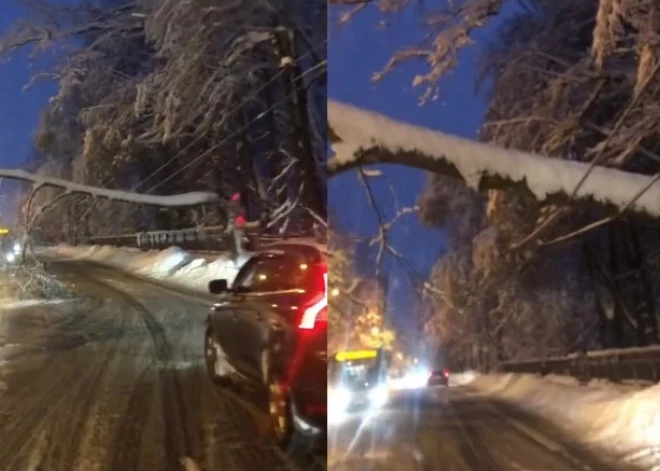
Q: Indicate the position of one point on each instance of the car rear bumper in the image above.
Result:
(439, 382)
(310, 394)
(311, 406)
(309, 387)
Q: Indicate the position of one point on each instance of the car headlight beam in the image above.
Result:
(339, 399)
(379, 396)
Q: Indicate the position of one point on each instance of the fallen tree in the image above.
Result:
(360, 137)
(39, 182)
(183, 199)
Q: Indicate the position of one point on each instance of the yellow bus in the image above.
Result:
(357, 380)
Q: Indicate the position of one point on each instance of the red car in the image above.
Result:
(439, 378)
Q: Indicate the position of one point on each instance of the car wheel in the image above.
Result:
(294, 442)
(217, 365)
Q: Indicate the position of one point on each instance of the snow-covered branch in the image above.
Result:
(184, 199)
(361, 137)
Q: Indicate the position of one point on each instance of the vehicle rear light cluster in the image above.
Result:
(239, 220)
(317, 311)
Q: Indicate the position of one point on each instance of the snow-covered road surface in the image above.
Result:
(453, 429)
(115, 381)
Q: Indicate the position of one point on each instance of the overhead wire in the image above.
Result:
(235, 133)
(232, 135)
(235, 109)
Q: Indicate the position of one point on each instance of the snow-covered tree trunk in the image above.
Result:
(38, 181)
(360, 137)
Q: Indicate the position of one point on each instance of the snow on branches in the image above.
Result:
(184, 199)
(361, 137)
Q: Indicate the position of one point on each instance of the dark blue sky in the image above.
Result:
(19, 110)
(356, 50)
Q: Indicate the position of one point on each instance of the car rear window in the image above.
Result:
(274, 273)
(307, 252)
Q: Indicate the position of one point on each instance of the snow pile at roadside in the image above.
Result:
(626, 423)
(172, 265)
(461, 379)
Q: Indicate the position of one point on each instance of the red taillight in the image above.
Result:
(317, 311)
(317, 409)
(446, 373)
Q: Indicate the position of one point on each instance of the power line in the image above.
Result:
(235, 133)
(239, 106)
(198, 138)
(205, 153)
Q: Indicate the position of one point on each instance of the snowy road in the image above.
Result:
(451, 429)
(116, 382)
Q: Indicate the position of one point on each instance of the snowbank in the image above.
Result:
(627, 423)
(361, 137)
(173, 265)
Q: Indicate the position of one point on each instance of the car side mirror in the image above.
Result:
(218, 286)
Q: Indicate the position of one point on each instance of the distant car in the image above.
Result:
(11, 247)
(270, 328)
(439, 378)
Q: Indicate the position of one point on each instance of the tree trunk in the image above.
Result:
(638, 285)
(612, 330)
(619, 311)
(276, 160)
(301, 135)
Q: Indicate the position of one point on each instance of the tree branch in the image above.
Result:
(362, 138)
(184, 199)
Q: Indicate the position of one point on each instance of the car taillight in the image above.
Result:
(445, 372)
(317, 311)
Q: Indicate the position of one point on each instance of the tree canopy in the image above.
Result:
(575, 80)
(165, 97)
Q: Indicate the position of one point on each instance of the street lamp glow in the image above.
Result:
(375, 331)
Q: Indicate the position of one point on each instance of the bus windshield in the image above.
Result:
(356, 372)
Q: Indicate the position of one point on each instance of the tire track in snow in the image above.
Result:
(109, 386)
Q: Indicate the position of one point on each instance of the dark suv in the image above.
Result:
(270, 328)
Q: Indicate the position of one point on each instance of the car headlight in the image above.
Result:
(416, 379)
(379, 395)
(17, 248)
(339, 399)
(10, 257)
